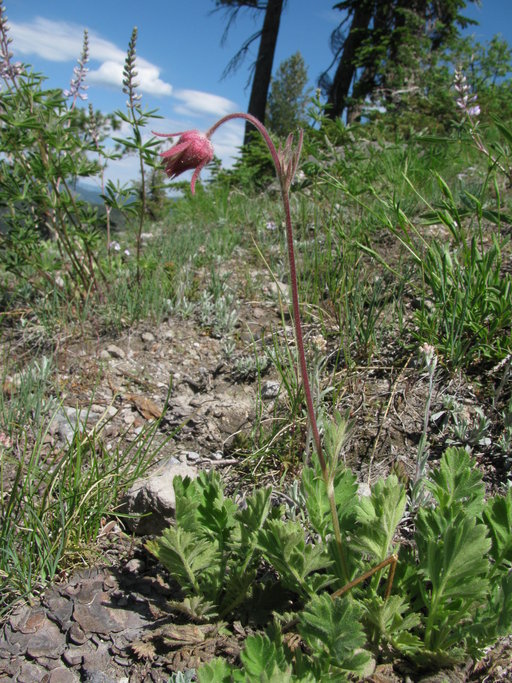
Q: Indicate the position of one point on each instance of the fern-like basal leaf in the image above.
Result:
(392, 620)
(457, 480)
(216, 671)
(498, 518)
(216, 513)
(186, 494)
(190, 558)
(262, 656)
(378, 517)
(195, 608)
(284, 546)
(494, 620)
(239, 582)
(250, 521)
(317, 502)
(456, 567)
(256, 510)
(332, 629)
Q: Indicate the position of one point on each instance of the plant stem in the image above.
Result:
(285, 176)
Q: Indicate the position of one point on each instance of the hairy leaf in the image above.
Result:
(216, 671)
(188, 556)
(392, 620)
(333, 630)
(457, 480)
(317, 503)
(262, 656)
(498, 517)
(378, 517)
(284, 546)
(455, 567)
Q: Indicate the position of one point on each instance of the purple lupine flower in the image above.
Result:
(466, 101)
(76, 87)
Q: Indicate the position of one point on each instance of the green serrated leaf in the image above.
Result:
(378, 517)
(332, 629)
(498, 517)
(284, 546)
(317, 502)
(457, 480)
(263, 659)
(187, 555)
(455, 567)
(216, 671)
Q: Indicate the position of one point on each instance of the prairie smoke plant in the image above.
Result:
(194, 151)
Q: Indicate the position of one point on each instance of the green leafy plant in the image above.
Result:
(452, 590)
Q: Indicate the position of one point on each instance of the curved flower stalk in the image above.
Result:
(194, 150)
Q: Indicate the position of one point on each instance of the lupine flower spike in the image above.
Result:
(466, 101)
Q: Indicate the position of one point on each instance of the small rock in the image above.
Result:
(62, 675)
(48, 641)
(192, 455)
(94, 617)
(135, 566)
(76, 635)
(218, 455)
(115, 352)
(154, 495)
(270, 389)
(364, 490)
(97, 677)
(148, 337)
(73, 656)
(60, 610)
(30, 673)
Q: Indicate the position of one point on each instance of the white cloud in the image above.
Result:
(199, 103)
(60, 41)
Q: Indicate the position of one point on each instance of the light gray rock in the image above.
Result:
(65, 423)
(270, 389)
(154, 497)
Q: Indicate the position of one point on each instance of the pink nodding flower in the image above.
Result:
(193, 150)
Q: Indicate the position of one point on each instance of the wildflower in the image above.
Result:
(5, 441)
(115, 246)
(77, 86)
(270, 225)
(466, 102)
(192, 151)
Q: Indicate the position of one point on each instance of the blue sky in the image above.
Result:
(180, 58)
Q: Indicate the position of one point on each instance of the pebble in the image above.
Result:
(135, 566)
(148, 337)
(115, 351)
(270, 389)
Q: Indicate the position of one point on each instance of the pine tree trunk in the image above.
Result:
(263, 66)
(340, 88)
